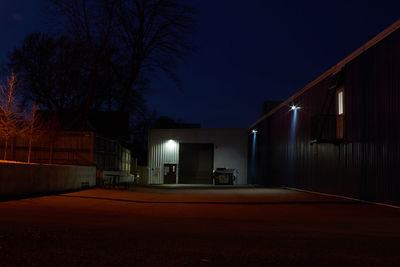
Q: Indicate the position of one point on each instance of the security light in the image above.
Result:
(254, 131)
(294, 107)
(171, 144)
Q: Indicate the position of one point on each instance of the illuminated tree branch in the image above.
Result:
(10, 114)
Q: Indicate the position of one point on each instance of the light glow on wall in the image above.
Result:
(292, 146)
(253, 156)
(171, 144)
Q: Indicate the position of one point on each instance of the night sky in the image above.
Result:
(247, 52)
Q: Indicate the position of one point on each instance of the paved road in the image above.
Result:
(197, 227)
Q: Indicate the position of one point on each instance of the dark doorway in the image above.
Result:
(169, 173)
(196, 163)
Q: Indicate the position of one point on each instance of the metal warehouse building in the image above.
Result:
(189, 156)
(341, 133)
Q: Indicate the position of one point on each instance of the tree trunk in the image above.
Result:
(29, 149)
(12, 149)
(127, 91)
(92, 83)
(5, 149)
(51, 153)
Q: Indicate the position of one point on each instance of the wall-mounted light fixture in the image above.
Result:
(254, 131)
(171, 144)
(294, 107)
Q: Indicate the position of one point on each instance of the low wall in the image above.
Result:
(19, 180)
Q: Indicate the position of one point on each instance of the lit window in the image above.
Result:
(340, 103)
(340, 109)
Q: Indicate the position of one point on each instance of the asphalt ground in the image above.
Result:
(197, 227)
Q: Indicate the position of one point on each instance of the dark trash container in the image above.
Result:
(223, 176)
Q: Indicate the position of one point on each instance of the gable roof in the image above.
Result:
(336, 68)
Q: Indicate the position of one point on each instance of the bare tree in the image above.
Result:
(10, 114)
(90, 23)
(33, 128)
(153, 36)
(138, 38)
(49, 70)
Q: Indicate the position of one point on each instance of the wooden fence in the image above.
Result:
(66, 148)
(70, 148)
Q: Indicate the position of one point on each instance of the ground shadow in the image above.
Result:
(226, 202)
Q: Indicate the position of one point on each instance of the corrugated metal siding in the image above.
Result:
(161, 153)
(367, 165)
(110, 155)
(230, 149)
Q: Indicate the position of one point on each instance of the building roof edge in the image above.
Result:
(379, 37)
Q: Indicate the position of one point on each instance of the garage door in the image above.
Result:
(195, 163)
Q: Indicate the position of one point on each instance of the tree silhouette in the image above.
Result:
(153, 36)
(50, 71)
(138, 38)
(103, 55)
(90, 24)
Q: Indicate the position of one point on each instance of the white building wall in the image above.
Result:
(161, 151)
(230, 149)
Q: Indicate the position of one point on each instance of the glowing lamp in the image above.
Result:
(254, 131)
(171, 144)
(294, 107)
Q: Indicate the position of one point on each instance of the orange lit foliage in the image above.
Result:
(10, 114)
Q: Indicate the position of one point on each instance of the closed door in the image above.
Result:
(169, 173)
(195, 163)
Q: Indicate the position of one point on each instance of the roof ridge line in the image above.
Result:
(335, 68)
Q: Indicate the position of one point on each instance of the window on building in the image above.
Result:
(340, 113)
(340, 103)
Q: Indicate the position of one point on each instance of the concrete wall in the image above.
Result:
(18, 179)
(230, 149)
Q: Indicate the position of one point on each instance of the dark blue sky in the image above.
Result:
(248, 51)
